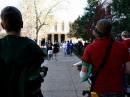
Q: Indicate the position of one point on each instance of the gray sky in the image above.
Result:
(73, 10)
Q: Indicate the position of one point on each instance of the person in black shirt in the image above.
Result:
(21, 56)
(55, 49)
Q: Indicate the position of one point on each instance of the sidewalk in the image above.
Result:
(62, 79)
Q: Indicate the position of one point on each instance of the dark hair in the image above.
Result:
(103, 27)
(11, 19)
(100, 34)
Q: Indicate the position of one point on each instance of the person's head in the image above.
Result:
(70, 41)
(125, 34)
(103, 28)
(11, 19)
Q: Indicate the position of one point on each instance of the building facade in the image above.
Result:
(56, 32)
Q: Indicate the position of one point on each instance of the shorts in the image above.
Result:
(50, 52)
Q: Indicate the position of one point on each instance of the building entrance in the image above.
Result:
(62, 38)
(49, 37)
(56, 37)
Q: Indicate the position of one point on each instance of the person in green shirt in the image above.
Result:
(20, 58)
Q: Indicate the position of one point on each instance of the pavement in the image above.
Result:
(62, 79)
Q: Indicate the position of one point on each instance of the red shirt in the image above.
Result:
(127, 43)
(110, 78)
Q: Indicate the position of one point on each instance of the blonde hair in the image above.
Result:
(125, 34)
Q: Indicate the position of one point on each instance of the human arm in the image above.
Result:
(127, 60)
(85, 71)
(33, 57)
(127, 68)
(86, 64)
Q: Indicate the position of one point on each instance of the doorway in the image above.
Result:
(56, 37)
(62, 38)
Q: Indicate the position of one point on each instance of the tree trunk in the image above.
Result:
(37, 37)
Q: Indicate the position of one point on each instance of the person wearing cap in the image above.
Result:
(109, 82)
(21, 58)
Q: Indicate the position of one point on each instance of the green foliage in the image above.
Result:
(92, 2)
(83, 26)
(121, 9)
(118, 11)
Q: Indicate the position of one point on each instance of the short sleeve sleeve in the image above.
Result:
(87, 54)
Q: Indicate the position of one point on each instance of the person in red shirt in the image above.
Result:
(126, 42)
(109, 82)
(126, 39)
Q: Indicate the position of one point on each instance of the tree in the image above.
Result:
(121, 18)
(37, 15)
(83, 26)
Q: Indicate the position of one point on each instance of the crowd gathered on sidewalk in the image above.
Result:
(105, 61)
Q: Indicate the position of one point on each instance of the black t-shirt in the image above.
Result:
(22, 59)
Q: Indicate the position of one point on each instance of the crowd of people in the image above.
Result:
(53, 49)
(21, 59)
(67, 47)
(110, 62)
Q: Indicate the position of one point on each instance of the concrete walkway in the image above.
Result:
(62, 79)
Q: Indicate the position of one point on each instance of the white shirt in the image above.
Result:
(64, 45)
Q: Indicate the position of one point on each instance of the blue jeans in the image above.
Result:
(65, 51)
